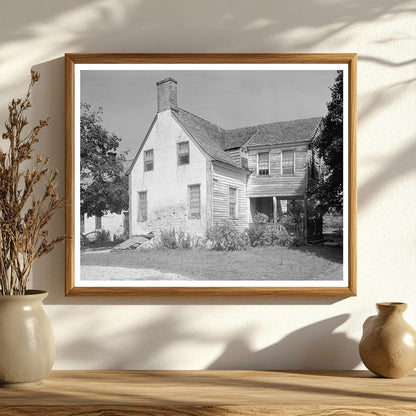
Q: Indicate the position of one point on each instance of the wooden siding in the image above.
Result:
(276, 184)
(235, 155)
(209, 197)
(225, 178)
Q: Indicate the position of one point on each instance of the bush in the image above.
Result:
(333, 224)
(259, 218)
(225, 237)
(168, 239)
(172, 239)
(184, 240)
(102, 237)
(262, 234)
(256, 234)
(119, 238)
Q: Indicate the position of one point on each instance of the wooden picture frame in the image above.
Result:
(78, 284)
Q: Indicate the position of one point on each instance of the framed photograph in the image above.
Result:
(211, 174)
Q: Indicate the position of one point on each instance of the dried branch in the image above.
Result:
(24, 216)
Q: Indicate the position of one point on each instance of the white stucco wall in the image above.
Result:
(198, 333)
(167, 184)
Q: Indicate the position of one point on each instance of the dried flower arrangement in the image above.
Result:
(28, 200)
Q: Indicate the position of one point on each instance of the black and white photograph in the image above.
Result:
(211, 175)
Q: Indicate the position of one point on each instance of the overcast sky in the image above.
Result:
(230, 99)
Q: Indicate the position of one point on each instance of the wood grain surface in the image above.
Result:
(203, 393)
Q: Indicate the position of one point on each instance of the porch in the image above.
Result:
(288, 213)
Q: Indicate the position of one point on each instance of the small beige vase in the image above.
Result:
(388, 345)
(27, 346)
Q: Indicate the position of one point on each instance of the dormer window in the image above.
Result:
(288, 162)
(263, 164)
(183, 153)
(148, 160)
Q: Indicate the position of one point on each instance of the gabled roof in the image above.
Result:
(284, 132)
(214, 140)
(236, 138)
(208, 135)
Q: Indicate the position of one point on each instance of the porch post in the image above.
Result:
(275, 209)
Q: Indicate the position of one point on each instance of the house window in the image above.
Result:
(148, 160)
(183, 153)
(288, 162)
(142, 207)
(263, 164)
(232, 197)
(244, 162)
(97, 222)
(194, 200)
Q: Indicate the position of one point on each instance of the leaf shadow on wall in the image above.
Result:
(140, 26)
(304, 348)
(222, 22)
(53, 143)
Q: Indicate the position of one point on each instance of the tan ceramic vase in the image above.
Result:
(27, 346)
(388, 345)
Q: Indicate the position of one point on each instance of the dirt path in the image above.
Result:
(125, 273)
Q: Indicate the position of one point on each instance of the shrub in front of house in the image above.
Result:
(262, 236)
(119, 238)
(170, 238)
(261, 233)
(257, 230)
(184, 239)
(167, 239)
(225, 237)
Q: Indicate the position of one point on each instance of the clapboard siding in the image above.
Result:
(277, 184)
(235, 155)
(224, 179)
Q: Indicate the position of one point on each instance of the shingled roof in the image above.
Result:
(214, 140)
(284, 132)
(208, 135)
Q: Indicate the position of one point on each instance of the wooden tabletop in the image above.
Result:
(208, 393)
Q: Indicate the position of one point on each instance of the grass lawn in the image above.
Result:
(261, 263)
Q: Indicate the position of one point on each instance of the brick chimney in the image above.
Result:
(166, 95)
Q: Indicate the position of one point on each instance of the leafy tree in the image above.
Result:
(104, 187)
(329, 146)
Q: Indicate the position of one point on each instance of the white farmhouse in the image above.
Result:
(190, 174)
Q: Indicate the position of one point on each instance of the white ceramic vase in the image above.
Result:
(27, 346)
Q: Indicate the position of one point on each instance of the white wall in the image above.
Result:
(167, 184)
(195, 333)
